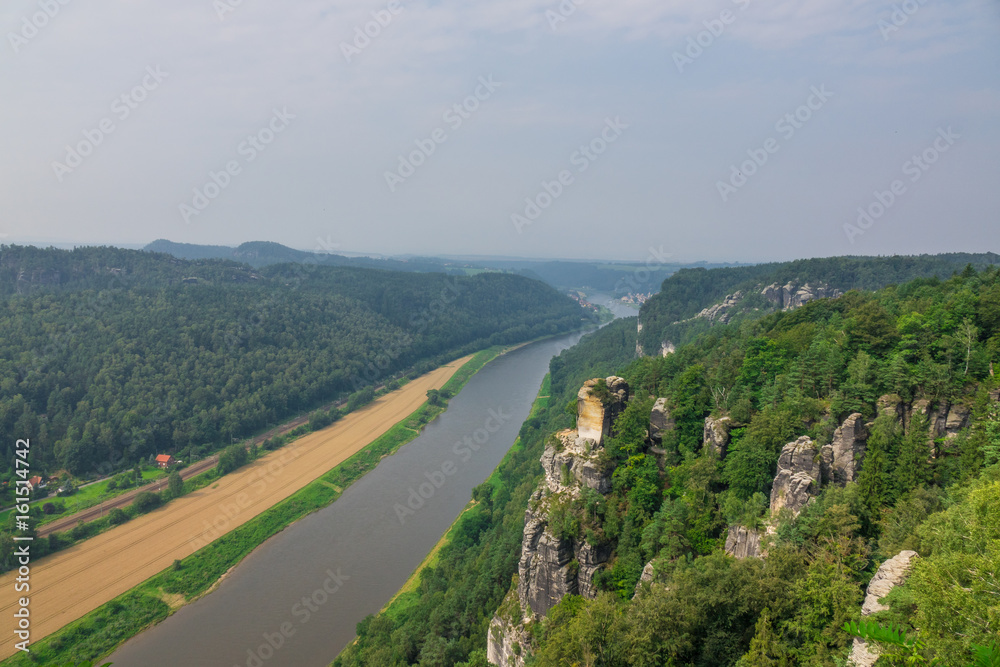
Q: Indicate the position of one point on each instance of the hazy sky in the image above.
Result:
(115, 112)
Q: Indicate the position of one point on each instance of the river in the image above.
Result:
(297, 598)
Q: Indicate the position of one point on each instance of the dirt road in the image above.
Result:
(76, 581)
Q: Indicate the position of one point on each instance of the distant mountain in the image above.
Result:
(265, 253)
(619, 278)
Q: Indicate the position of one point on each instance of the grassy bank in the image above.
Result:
(97, 634)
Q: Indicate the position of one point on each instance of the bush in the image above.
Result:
(234, 456)
(147, 501)
(116, 517)
(48, 508)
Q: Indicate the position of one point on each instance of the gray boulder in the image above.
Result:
(799, 473)
(843, 455)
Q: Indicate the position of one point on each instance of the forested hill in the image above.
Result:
(670, 316)
(885, 413)
(265, 253)
(110, 355)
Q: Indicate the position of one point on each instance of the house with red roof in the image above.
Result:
(165, 460)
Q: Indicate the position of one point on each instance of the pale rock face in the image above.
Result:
(648, 577)
(660, 421)
(743, 542)
(594, 419)
(892, 405)
(667, 348)
(721, 312)
(799, 473)
(892, 573)
(552, 568)
(843, 456)
(507, 643)
(716, 434)
(576, 463)
(791, 296)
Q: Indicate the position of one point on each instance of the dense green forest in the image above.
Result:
(666, 316)
(779, 377)
(109, 356)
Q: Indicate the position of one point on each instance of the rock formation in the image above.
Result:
(667, 348)
(791, 296)
(553, 565)
(660, 421)
(573, 463)
(721, 313)
(842, 457)
(743, 542)
(594, 418)
(716, 434)
(892, 573)
(508, 639)
(797, 481)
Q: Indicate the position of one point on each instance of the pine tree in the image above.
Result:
(912, 468)
(876, 482)
(766, 649)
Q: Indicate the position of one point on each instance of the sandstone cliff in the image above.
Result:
(798, 478)
(892, 573)
(842, 457)
(553, 565)
(716, 434)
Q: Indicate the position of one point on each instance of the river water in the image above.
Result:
(297, 599)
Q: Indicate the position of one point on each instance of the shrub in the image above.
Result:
(147, 501)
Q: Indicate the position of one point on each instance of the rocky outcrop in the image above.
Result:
(743, 542)
(508, 640)
(893, 406)
(721, 313)
(649, 577)
(574, 463)
(594, 416)
(792, 296)
(660, 421)
(553, 565)
(716, 434)
(892, 573)
(842, 457)
(798, 478)
(667, 348)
